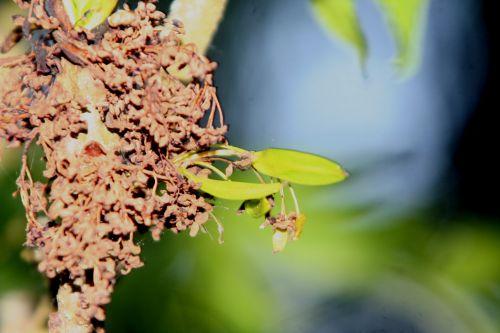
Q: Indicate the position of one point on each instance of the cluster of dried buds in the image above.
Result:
(111, 109)
(125, 115)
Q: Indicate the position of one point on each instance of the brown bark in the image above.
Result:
(65, 320)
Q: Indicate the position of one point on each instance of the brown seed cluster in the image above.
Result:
(111, 109)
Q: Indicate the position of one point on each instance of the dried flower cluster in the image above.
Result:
(111, 109)
(291, 223)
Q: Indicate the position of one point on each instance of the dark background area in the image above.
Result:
(475, 167)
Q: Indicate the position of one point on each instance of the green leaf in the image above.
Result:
(297, 167)
(257, 207)
(88, 14)
(405, 18)
(226, 189)
(340, 18)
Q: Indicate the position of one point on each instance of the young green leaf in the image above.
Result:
(297, 167)
(405, 22)
(340, 18)
(257, 207)
(88, 14)
(226, 189)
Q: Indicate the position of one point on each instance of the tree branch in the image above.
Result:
(66, 320)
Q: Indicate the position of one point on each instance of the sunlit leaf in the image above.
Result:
(257, 207)
(226, 189)
(88, 14)
(280, 239)
(340, 18)
(297, 167)
(299, 226)
(405, 20)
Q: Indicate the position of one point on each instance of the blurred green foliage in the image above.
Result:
(241, 287)
(405, 20)
(339, 17)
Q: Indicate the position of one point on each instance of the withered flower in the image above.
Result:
(111, 110)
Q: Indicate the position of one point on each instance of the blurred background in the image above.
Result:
(409, 243)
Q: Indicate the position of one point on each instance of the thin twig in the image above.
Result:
(220, 228)
(295, 201)
(212, 168)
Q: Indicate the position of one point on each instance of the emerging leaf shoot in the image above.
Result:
(231, 190)
(257, 207)
(297, 167)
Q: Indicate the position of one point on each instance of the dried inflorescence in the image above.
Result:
(111, 109)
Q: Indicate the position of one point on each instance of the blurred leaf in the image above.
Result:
(405, 22)
(340, 18)
(404, 17)
(257, 207)
(88, 14)
(297, 167)
(226, 189)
